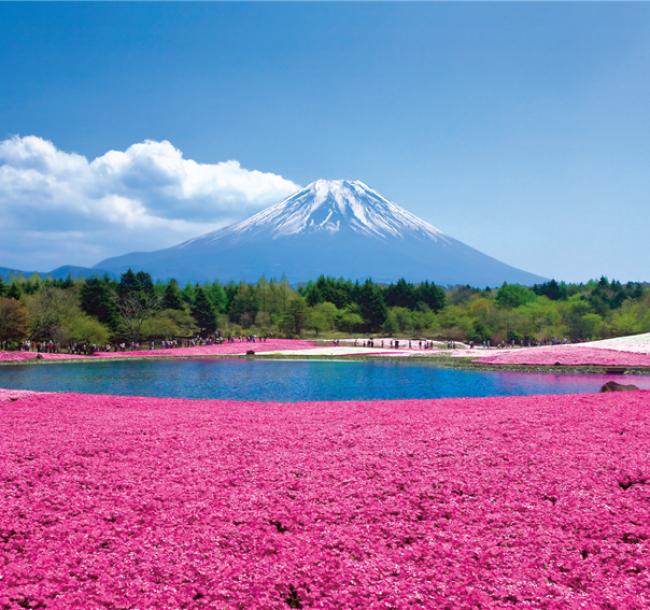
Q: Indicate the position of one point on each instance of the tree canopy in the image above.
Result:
(135, 307)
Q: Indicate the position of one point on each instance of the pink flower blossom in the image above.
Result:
(200, 351)
(26, 356)
(124, 502)
(568, 355)
(213, 350)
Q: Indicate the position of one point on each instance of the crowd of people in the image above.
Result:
(53, 347)
(521, 343)
(427, 344)
(400, 343)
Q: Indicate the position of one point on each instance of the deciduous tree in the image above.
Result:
(14, 320)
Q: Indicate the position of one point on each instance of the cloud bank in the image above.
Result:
(59, 207)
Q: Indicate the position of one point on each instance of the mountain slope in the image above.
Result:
(335, 227)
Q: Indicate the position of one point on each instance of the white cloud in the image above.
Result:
(58, 207)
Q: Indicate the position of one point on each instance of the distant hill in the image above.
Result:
(60, 273)
(338, 228)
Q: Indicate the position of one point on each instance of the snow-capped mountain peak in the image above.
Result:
(340, 228)
(333, 206)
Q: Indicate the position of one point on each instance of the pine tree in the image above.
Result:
(14, 291)
(218, 296)
(401, 294)
(203, 312)
(372, 305)
(97, 298)
(128, 284)
(139, 284)
(431, 295)
(172, 297)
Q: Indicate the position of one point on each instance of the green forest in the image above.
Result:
(101, 310)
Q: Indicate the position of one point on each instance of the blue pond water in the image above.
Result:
(291, 380)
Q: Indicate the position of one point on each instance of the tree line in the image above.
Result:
(134, 308)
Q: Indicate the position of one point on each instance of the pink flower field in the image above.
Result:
(122, 502)
(213, 350)
(182, 352)
(568, 355)
(26, 356)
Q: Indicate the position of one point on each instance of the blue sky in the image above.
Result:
(521, 129)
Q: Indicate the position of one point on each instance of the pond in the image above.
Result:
(293, 380)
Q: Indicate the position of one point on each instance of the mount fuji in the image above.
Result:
(339, 228)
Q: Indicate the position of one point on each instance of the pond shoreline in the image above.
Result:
(296, 379)
(442, 361)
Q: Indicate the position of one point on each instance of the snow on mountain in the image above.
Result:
(334, 227)
(333, 206)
